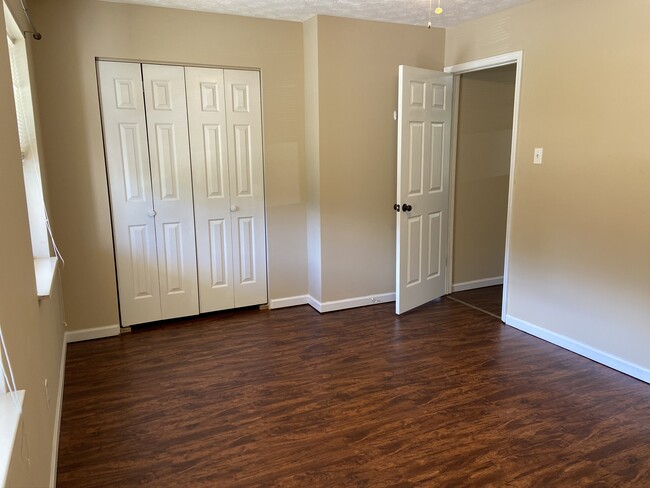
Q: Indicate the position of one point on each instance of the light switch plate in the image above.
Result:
(537, 157)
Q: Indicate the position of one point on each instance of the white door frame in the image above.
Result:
(457, 70)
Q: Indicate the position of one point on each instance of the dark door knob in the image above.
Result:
(396, 207)
(406, 208)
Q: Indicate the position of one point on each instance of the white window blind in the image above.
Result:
(19, 96)
(43, 245)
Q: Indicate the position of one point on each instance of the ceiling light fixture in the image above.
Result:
(437, 11)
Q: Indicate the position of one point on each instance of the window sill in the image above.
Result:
(45, 269)
(10, 417)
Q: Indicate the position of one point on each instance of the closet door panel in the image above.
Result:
(244, 129)
(127, 162)
(208, 146)
(171, 177)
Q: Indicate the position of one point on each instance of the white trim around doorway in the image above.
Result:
(516, 58)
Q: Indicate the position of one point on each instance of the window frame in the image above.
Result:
(45, 255)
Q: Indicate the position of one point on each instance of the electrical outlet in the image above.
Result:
(538, 155)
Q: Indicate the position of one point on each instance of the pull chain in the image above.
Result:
(437, 11)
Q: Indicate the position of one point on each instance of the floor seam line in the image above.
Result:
(474, 307)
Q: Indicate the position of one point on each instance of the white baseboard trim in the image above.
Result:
(288, 301)
(332, 306)
(582, 349)
(471, 285)
(315, 304)
(94, 333)
(57, 416)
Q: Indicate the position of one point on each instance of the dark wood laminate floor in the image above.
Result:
(488, 299)
(443, 396)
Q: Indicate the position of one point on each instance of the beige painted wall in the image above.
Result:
(580, 260)
(33, 329)
(357, 89)
(485, 108)
(75, 32)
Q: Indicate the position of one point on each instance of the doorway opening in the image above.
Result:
(486, 99)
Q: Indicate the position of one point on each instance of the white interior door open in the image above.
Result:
(127, 162)
(171, 176)
(423, 153)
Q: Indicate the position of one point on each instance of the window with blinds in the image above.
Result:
(43, 246)
(19, 87)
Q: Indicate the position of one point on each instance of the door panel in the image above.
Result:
(240, 98)
(219, 262)
(132, 162)
(246, 250)
(435, 245)
(172, 188)
(423, 147)
(416, 158)
(244, 132)
(167, 163)
(140, 247)
(173, 257)
(210, 176)
(414, 251)
(127, 162)
(243, 159)
(437, 156)
(213, 155)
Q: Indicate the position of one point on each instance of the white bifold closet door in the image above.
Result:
(171, 178)
(184, 158)
(148, 161)
(127, 161)
(225, 122)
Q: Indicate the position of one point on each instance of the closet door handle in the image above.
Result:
(151, 213)
(234, 208)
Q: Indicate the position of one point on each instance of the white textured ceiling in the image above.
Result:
(414, 12)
